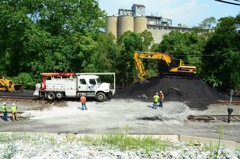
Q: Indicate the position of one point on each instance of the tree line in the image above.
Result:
(39, 36)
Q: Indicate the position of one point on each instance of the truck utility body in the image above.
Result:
(63, 85)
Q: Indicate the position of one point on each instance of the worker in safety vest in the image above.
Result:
(155, 100)
(5, 113)
(83, 100)
(14, 112)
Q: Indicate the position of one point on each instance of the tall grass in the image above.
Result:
(220, 134)
(127, 142)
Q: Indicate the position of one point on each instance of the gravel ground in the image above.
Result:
(134, 116)
(24, 146)
(117, 114)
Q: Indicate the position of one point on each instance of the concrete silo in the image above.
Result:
(140, 24)
(111, 25)
(125, 23)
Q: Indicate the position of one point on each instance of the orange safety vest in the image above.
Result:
(83, 99)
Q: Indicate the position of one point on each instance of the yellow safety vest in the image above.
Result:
(156, 98)
(14, 109)
(4, 109)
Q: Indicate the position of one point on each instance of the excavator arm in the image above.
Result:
(139, 66)
(174, 66)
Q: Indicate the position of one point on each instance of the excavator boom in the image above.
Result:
(174, 66)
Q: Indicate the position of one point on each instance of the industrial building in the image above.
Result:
(135, 20)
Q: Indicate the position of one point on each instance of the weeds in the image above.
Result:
(127, 142)
(220, 134)
(9, 151)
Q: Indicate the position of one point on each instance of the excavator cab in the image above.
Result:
(8, 86)
(178, 67)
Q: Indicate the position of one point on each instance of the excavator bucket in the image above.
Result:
(18, 87)
(142, 81)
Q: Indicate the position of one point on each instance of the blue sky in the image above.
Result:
(188, 12)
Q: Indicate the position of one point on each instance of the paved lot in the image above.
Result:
(132, 116)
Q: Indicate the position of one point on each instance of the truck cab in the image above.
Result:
(92, 86)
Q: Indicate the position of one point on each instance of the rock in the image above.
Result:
(71, 156)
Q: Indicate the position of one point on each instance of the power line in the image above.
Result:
(192, 55)
(230, 2)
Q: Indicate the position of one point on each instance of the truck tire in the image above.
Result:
(59, 95)
(101, 97)
(51, 96)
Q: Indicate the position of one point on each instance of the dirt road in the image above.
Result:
(133, 116)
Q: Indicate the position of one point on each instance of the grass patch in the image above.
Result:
(127, 142)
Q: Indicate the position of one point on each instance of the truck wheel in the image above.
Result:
(101, 97)
(59, 95)
(50, 96)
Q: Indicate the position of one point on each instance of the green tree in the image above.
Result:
(208, 23)
(74, 27)
(129, 42)
(14, 22)
(104, 57)
(221, 70)
(187, 46)
(206, 28)
(48, 36)
(147, 39)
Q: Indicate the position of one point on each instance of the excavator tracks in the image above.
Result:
(214, 118)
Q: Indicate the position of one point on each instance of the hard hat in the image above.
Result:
(160, 91)
(157, 93)
(13, 104)
(4, 103)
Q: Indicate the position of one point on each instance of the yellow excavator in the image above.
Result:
(8, 86)
(174, 66)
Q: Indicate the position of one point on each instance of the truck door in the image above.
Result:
(82, 84)
(92, 84)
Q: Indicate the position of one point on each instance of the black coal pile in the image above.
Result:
(194, 92)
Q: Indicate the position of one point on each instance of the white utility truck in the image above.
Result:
(70, 84)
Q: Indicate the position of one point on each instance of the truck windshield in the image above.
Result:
(98, 80)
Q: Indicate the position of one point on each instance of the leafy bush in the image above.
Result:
(26, 80)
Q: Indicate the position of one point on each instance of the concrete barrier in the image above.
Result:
(214, 142)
